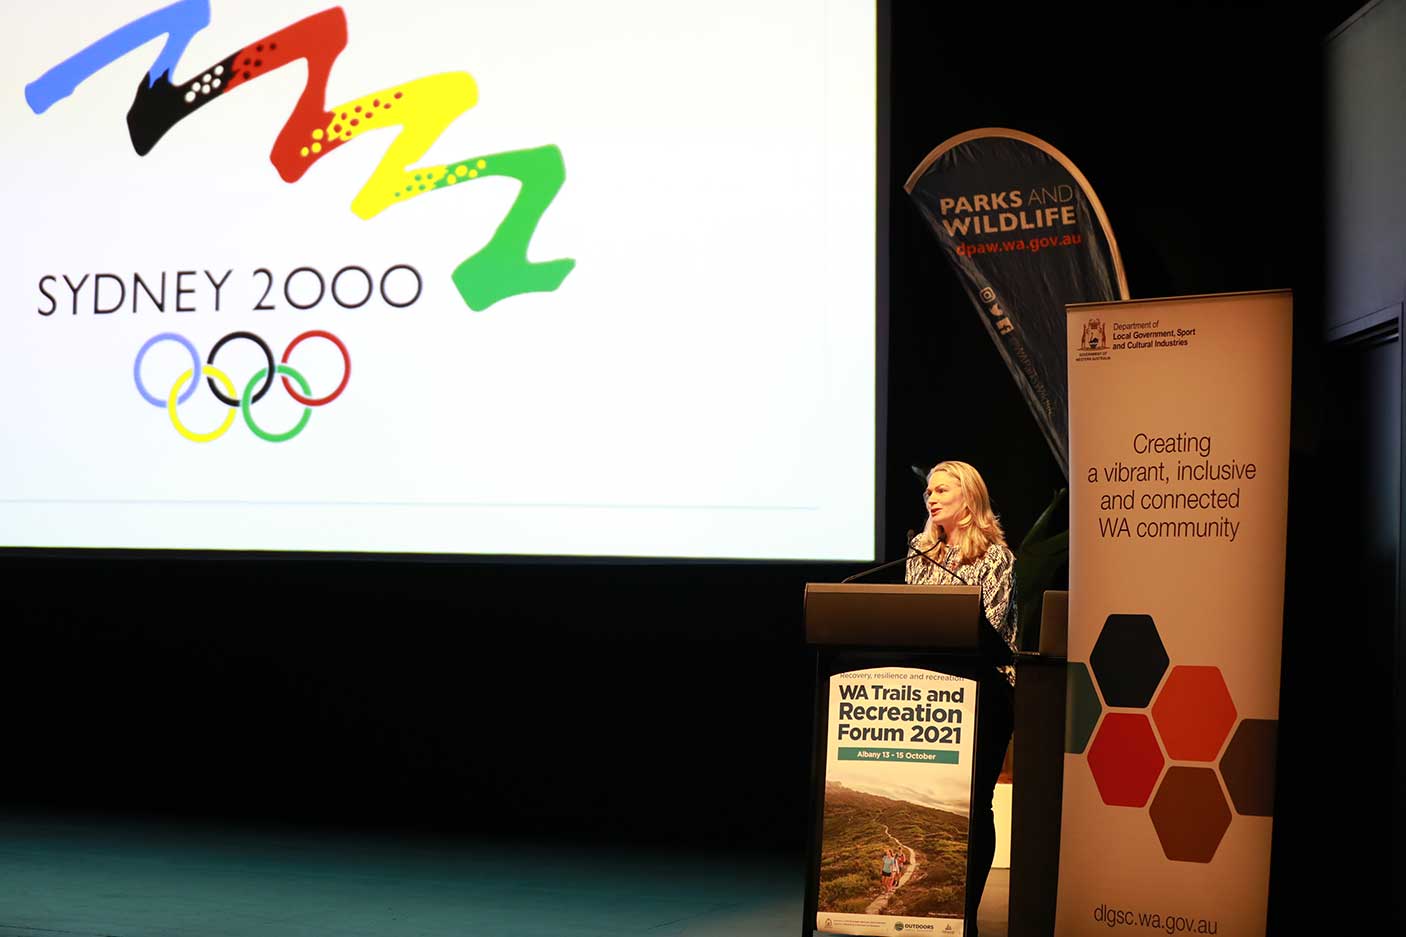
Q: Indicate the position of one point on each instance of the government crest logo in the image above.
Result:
(1095, 337)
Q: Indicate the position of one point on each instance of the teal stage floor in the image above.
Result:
(105, 877)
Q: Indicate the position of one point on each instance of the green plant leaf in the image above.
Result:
(1043, 552)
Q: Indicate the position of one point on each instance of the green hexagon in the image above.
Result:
(1081, 708)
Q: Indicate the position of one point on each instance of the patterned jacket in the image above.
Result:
(994, 570)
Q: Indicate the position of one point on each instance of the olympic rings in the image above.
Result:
(171, 402)
(346, 372)
(249, 417)
(230, 396)
(268, 356)
(137, 367)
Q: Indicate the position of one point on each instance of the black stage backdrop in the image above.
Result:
(616, 702)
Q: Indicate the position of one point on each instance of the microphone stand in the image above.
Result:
(912, 552)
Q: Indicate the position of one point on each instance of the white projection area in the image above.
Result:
(494, 278)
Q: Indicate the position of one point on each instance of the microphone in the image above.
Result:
(908, 555)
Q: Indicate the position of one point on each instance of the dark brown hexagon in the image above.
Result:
(1190, 814)
(1248, 766)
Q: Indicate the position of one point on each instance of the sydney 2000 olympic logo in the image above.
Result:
(422, 108)
(254, 390)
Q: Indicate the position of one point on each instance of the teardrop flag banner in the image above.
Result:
(1026, 235)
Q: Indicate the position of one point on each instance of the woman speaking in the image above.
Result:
(962, 544)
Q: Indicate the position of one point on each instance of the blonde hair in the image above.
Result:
(979, 526)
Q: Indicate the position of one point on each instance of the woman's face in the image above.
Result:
(946, 503)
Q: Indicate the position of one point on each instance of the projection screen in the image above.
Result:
(498, 278)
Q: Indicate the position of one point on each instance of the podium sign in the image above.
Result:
(1179, 458)
(897, 800)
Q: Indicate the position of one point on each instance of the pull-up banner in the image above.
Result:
(1179, 451)
(1026, 235)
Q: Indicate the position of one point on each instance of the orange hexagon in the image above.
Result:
(1194, 713)
(1125, 759)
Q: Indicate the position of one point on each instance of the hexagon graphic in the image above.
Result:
(1125, 759)
(1193, 713)
(1190, 814)
(1081, 708)
(1248, 767)
(1128, 660)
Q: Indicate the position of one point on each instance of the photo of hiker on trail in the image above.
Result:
(897, 798)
